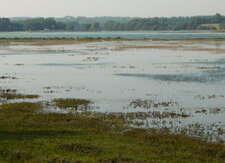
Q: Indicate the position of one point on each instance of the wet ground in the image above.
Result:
(174, 84)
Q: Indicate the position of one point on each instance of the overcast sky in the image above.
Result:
(132, 8)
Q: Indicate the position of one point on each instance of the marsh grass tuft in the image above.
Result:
(72, 103)
(8, 77)
(11, 94)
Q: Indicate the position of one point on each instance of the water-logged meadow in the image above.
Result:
(172, 84)
(147, 76)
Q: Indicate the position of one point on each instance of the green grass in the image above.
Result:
(29, 135)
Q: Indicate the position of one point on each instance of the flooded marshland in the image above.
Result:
(177, 84)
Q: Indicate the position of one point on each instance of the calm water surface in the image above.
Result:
(169, 34)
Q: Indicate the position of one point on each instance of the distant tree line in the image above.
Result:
(173, 23)
(113, 24)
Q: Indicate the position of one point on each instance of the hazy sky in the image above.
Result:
(136, 8)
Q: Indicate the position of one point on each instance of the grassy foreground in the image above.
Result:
(29, 135)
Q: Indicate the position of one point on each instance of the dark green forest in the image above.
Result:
(68, 23)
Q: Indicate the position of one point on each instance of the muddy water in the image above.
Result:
(114, 77)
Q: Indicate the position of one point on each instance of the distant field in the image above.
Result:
(217, 26)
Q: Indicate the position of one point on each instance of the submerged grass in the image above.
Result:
(9, 96)
(29, 135)
(147, 104)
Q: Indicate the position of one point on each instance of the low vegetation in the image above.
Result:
(29, 135)
(72, 103)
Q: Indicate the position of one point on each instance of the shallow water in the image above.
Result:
(151, 34)
(113, 78)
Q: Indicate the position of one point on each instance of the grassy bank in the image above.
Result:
(29, 135)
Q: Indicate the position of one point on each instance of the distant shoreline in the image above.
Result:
(150, 31)
(106, 35)
(110, 39)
